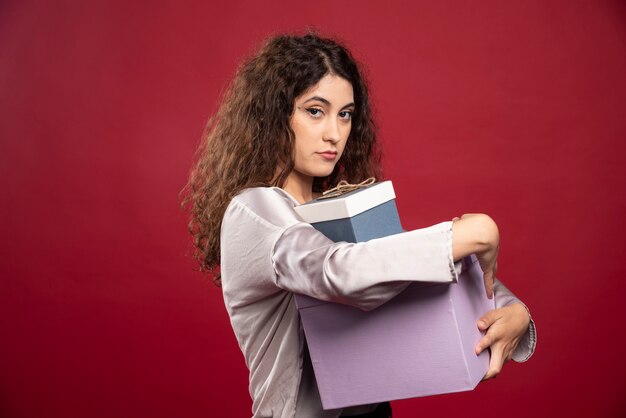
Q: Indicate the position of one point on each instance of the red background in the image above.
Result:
(515, 109)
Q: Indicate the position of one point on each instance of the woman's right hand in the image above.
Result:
(477, 233)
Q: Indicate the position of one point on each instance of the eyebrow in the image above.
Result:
(326, 102)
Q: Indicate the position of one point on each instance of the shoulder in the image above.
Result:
(270, 205)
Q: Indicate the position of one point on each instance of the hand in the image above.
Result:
(505, 327)
(487, 255)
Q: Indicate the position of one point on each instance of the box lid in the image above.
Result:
(347, 205)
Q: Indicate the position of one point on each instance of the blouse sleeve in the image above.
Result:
(364, 274)
(263, 240)
(526, 346)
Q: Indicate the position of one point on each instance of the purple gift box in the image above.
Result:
(420, 343)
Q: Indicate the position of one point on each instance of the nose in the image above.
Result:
(331, 131)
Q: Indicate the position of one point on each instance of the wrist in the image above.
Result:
(487, 233)
(474, 234)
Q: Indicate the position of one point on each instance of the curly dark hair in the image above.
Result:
(249, 138)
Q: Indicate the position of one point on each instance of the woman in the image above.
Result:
(295, 120)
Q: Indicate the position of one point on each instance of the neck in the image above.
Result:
(299, 186)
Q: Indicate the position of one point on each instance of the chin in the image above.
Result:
(324, 173)
(317, 170)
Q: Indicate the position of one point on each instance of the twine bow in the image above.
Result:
(344, 187)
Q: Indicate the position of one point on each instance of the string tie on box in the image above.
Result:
(344, 187)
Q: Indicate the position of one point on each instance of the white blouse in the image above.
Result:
(268, 253)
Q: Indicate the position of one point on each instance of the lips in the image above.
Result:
(328, 155)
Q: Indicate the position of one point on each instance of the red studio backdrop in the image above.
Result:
(515, 109)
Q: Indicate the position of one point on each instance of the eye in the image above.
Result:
(345, 114)
(315, 112)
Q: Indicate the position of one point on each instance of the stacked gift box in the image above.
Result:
(420, 343)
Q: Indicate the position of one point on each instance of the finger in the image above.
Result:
(488, 277)
(484, 343)
(495, 362)
(489, 318)
(456, 218)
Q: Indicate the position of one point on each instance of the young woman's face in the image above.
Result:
(321, 120)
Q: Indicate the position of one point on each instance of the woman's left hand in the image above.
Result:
(505, 327)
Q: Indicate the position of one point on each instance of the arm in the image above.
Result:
(368, 274)
(266, 247)
(364, 274)
(262, 222)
